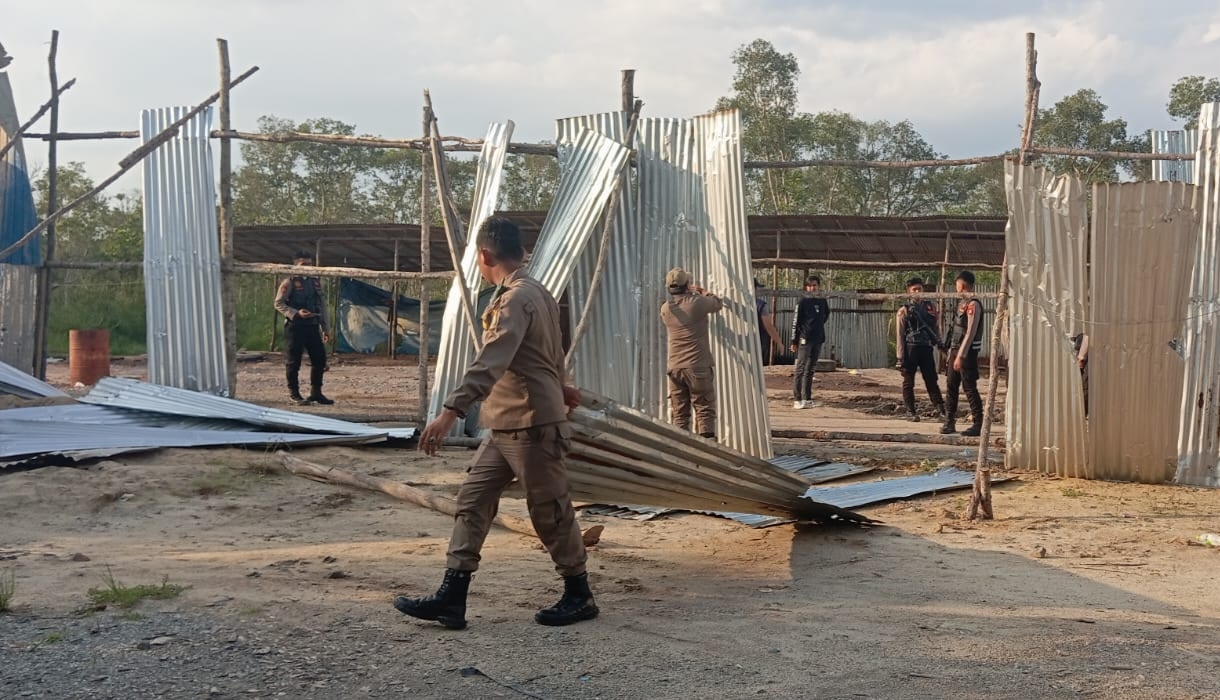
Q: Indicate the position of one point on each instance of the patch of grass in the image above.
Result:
(1073, 492)
(8, 587)
(126, 597)
(131, 616)
(927, 465)
(52, 638)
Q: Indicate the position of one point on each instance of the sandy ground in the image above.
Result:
(1076, 589)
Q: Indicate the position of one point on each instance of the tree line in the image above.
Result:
(312, 183)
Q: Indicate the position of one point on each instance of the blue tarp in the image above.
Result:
(17, 212)
(364, 319)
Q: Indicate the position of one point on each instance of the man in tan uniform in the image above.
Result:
(519, 375)
(691, 379)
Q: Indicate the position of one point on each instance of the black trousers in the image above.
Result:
(302, 338)
(967, 379)
(806, 364)
(922, 359)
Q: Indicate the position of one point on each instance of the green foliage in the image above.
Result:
(114, 593)
(1188, 95)
(1079, 121)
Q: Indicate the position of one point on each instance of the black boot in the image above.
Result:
(912, 416)
(447, 606)
(974, 430)
(294, 389)
(575, 605)
(295, 396)
(709, 436)
(949, 427)
(317, 396)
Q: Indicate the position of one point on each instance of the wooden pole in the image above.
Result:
(980, 498)
(42, 322)
(944, 271)
(865, 265)
(392, 345)
(228, 277)
(628, 91)
(275, 315)
(132, 160)
(454, 230)
(46, 106)
(425, 262)
(603, 248)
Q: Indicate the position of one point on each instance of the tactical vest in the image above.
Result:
(963, 323)
(305, 293)
(921, 324)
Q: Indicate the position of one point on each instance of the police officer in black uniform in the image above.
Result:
(917, 337)
(300, 300)
(964, 351)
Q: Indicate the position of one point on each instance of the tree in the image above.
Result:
(529, 183)
(1188, 95)
(1079, 121)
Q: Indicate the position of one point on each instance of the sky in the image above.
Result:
(955, 68)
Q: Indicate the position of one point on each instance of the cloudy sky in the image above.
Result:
(953, 67)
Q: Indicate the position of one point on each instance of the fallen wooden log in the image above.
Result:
(410, 494)
(915, 438)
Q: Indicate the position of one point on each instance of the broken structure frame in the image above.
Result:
(230, 267)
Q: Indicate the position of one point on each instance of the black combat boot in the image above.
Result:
(709, 436)
(317, 396)
(976, 415)
(973, 431)
(911, 416)
(295, 397)
(294, 390)
(575, 605)
(447, 606)
(949, 427)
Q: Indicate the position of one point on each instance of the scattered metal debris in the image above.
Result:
(17, 383)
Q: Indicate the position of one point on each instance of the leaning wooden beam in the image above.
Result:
(353, 272)
(15, 139)
(43, 318)
(133, 159)
(229, 287)
(871, 296)
(913, 438)
(95, 265)
(397, 489)
(807, 262)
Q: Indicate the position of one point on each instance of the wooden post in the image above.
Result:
(980, 498)
(391, 345)
(940, 288)
(275, 315)
(228, 299)
(425, 264)
(42, 321)
(628, 91)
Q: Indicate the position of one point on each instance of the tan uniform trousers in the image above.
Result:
(693, 387)
(534, 456)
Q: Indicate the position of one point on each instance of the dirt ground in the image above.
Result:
(1077, 589)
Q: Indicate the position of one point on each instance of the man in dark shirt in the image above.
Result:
(917, 337)
(964, 349)
(808, 335)
(300, 300)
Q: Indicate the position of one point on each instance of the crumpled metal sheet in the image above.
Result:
(17, 383)
(870, 492)
(129, 393)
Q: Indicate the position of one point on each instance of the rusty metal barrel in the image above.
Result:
(88, 355)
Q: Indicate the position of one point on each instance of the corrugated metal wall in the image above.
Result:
(605, 357)
(1142, 249)
(1046, 246)
(1174, 142)
(692, 214)
(1198, 441)
(186, 347)
(18, 312)
(457, 347)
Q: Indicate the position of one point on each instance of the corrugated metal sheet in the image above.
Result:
(129, 393)
(620, 455)
(593, 164)
(18, 314)
(604, 359)
(1199, 441)
(20, 439)
(870, 492)
(18, 383)
(186, 345)
(18, 277)
(92, 414)
(1143, 245)
(692, 206)
(1047, 241)
(457, 348)
(1174, 142)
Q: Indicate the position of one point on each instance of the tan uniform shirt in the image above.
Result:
(519, 372)
(686, 319)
